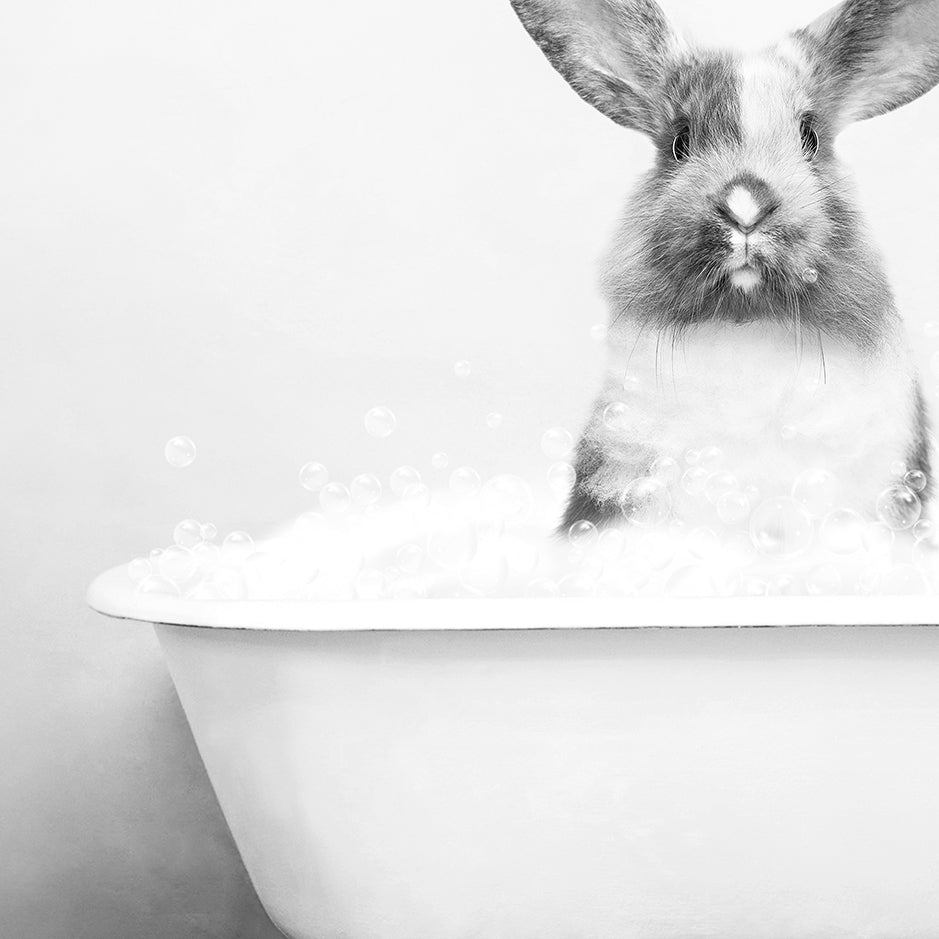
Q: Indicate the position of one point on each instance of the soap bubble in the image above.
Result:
(465, 482)
(898, 507)
(810, 275)
(842, 531)
(816, 490)
(451, 546)
(138, 569)
(665, 468)
(582, 534)
(365, 490)
(335, 498)
(158, 585)
(313, 476)
(179, 451)
(380, 422)
(824, 580)
(493, 420)
(780, 528)
(645, 502)
(711, 458)
(733, 507)
(403, 477)
(915, 480)
(187, 533)
(615, 414)
(561, 478)
(462, 369)
(410, 558)
(702, 542)
(694, 480)
(206, 555)
(439, 460)
(237, 544)
(877, 539)
(416, 496)
(508, 497)
(718, 484)
(898, 469)
(598, 332)
(557, 443)
(176, 564)
(924, 530)
(209, 531)
(692, 457)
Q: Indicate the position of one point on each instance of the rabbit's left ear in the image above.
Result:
(871, 56)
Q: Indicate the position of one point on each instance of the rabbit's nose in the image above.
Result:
(745, 204)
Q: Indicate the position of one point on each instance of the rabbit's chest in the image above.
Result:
(773, 408)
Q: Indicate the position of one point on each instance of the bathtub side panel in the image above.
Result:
(576, 783)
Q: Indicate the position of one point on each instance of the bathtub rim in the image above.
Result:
(113, 594)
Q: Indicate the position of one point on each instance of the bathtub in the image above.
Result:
(573, 769)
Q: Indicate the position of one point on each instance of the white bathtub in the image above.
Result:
(549, 769)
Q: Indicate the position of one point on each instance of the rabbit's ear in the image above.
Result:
(612, 52)
(871, 56)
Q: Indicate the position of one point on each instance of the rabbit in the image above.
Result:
(752, 328)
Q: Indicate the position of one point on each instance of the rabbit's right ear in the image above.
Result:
(612, 52)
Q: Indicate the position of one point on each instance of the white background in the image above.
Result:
(249, 222)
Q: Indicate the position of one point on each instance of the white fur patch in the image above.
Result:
(746, 278)
(742, 205)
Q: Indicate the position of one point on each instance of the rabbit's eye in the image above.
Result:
(809, 137)
(681, 145)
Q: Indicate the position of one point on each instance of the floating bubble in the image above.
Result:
(451, 546)
(582, 534)
(557, 443)
(365, 490)
(733, 507)
(898, 507)
(780, 528)
(824, 580)
(916, 480)
(179, 451)
(877, 539)
(380, 422)
(816, 490)
(924, 530)
(694, 480)
(665, 468)
(561, 479)
(645, 502)
(465, 482)
(718, 484)
(614, 415)
(462, 369)
(158, 585)
(403, 477)
(176, 564)
(335, 498)
(313, 476)
(508, 497)
(842, 531)
(138, 569)
(417, 496)
(209, 531)
(810, 275)
(598, 332)
(493, 420)
(187, 533)
(711, 458)
(440, 460)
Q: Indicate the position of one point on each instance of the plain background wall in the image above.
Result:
(249, 222)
